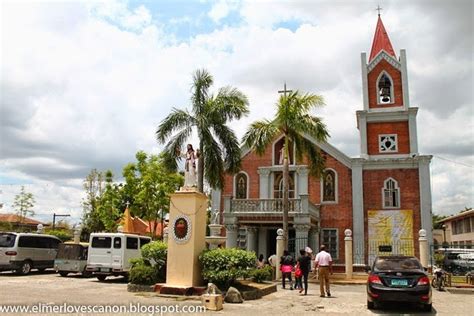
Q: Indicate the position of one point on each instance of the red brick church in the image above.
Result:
(383, 196)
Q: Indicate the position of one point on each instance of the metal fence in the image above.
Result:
(366, 251)
(295, 244)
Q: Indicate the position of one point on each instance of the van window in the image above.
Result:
(132, 243)
(27, 242)
(101, 242)
(144, 241)
(117, 242)
(42, 242)
(54, 243)
(7, 240)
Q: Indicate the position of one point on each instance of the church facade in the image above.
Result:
(383, 196)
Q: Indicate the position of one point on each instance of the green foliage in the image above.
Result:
(439, 259)
(94, 188)
(6, 227)
(110, 204)
(151, 267)
(224, 266)
(220, 150)
(61, 234)
(23, 204)
(143, 274)
(262, 274)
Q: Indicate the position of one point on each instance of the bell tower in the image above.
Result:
(387, 124)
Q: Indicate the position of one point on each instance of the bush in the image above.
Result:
(143, 274)
(224, 266)
(151, 267)
(262, 274)
(61, 234)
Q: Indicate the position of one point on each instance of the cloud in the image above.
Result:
(85, 85)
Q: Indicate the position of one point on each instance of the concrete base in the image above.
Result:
(164, 288)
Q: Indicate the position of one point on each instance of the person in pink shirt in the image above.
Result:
(323, 262)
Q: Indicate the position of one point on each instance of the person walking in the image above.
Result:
(304, 262)
(323, 262)
(286, 266)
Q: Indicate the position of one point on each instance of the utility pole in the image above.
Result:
(58, 215)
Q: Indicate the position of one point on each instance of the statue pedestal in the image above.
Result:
(186, 241)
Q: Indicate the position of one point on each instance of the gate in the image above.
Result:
(381, 248)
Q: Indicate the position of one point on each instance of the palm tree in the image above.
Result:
(219, 147)
(294, 122)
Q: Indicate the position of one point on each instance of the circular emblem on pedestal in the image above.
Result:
(181, 229)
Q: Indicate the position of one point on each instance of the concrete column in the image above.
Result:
(348, 253)
(424, 251)
(165, 235)
(252, 239)
(262, 241)
(406, 95)
(313, 238)
(362, 124)
(302, 181)
(264, 188)
(412, 131)
(227, 204)
(280, 247)
(231, 231)
(425, 196)
(365, 85)
(358, 205)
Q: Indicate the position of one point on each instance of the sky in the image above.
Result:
(85, 84)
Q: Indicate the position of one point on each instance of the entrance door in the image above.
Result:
(271, 242)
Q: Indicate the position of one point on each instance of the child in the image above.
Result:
(298, 277)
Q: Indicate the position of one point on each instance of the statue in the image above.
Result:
(190, 177)
(215, 217)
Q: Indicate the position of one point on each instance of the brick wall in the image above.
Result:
(373, 89)
(408, 182)
(376, 129)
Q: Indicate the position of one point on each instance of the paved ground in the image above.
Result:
(347, 299)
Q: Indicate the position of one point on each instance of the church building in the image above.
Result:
(383, 196)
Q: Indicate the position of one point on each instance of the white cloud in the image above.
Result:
(221, 9)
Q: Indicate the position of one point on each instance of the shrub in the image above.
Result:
(224, 266)
(262, 274)
(61, 234)
(143, 274)
(151, 267)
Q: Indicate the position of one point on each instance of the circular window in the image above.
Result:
(181, 229)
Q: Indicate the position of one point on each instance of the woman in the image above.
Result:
(260, 262)
(286, 266)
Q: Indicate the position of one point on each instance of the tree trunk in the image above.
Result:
(286, 186)
(200, 166)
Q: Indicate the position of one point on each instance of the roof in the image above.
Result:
(136, 225)
(381, 41)
(15, 219)
(460, 215)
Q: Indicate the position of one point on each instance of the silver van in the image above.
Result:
(22, 252)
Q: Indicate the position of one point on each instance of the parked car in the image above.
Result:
(72, 258)
(398, 279)
(22, 252)
(110, 253)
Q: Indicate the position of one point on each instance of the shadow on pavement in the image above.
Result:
(398, 309)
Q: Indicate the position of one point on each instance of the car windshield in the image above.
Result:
(69, 251)
(7, 240)
(383, 264)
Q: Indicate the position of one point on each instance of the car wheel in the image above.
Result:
(370, 305)
(25, 268)
(63, 273)
(86, 274)
(101, 277)
(427, 307)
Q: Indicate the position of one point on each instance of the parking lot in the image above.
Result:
(50, 288)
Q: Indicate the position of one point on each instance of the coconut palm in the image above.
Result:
(294, 121)
(218, 144)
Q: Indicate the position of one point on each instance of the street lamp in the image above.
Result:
(58, 215)
(444, 236)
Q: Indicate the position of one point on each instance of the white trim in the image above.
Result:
(332, 151)
(404, 71)
(234, 192)
(273, 152)
(365, 89)
(380, 136)
(397, 207)
(384, 55)
(392, 156)
(387, 116)
(387, 109)
(336, 184)
(392, 93)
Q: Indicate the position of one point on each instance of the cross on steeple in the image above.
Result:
(284, 91)
(378, 9)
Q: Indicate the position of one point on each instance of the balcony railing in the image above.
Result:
(270, 206)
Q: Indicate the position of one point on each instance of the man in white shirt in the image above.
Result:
(323, 262)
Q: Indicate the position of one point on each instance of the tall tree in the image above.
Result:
(23, 204)
(294, 121)
(220, 150)
(110, 202)
(94, 185)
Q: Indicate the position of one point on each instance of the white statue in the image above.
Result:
(215, 217)
(190, 177)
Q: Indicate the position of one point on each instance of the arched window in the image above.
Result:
(278, 186)
(385, 91)
(241, 186)
(391, 194)
(329, 186)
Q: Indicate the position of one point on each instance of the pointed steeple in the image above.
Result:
(381, 41)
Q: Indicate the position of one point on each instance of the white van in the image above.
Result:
(22, 252)
(110, 253)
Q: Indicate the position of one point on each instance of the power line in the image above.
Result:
(456, 162)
